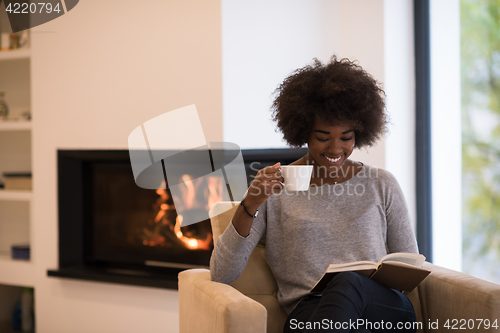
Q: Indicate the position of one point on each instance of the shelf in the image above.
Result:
(11, 195)
(16, 272)
(15, 125)
(15, 54)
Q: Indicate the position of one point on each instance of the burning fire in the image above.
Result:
(212, 192)
(191, 243)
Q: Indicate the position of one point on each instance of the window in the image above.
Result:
(463, 96)
(480, 82)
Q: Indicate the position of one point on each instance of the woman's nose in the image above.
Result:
(335, 148)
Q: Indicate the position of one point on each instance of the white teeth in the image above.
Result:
(333, 160)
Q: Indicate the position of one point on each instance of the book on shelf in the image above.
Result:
(400, 271)
(20, 251)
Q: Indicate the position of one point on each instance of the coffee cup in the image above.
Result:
(297, 177)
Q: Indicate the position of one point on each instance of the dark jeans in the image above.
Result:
(353, 303)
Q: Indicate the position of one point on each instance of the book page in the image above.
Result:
(352, 266)
(407, 258)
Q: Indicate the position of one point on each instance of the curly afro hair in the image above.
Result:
(340, 92)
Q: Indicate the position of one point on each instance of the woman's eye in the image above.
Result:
(322, 140)
(347, 139)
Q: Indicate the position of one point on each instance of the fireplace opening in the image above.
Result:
(129, 224)
(111, 230)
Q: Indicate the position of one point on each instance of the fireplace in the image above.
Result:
(111, 230)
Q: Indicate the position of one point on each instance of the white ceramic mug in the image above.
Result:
(297, 177)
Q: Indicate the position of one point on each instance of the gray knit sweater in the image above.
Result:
(304, 232)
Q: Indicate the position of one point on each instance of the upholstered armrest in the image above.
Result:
(207, 306)
(446, 295)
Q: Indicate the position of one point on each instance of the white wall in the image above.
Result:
(362, 39)
(399, 83)
(263, 42)
(97, 73)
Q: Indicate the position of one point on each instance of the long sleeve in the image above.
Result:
(400, 235)
(231, 251)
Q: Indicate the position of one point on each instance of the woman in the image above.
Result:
(351, 211)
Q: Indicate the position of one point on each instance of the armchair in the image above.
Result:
(250, 304)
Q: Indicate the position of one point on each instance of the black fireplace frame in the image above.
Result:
(72, 243)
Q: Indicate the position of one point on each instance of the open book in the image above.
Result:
(400, 271)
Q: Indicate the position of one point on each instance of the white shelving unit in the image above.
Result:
(15, 156)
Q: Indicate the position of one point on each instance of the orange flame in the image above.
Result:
(213, 193)
(192, 243)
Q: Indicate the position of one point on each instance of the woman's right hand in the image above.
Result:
(267, 182)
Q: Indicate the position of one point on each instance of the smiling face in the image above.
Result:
(330, 146)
